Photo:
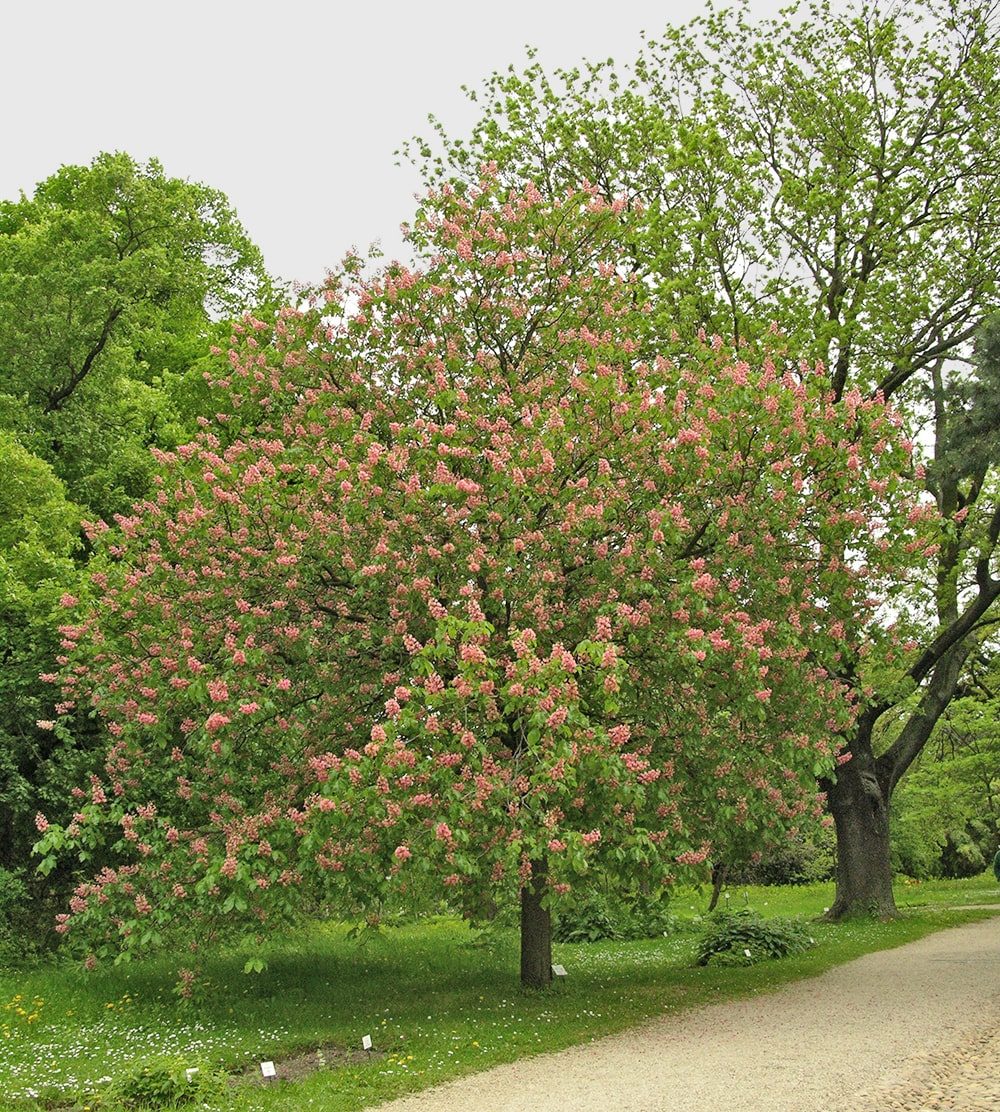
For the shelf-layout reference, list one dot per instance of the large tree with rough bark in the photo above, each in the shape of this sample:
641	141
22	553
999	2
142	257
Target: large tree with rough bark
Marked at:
836	170
490	599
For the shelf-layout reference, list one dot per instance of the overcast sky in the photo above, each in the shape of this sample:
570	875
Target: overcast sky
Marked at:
293	111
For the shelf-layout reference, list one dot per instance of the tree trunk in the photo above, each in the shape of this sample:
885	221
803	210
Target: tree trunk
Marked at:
860	811
719	874
536	930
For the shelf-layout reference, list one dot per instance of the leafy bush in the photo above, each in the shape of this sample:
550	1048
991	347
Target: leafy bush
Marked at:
803	859
961	856
913	853
594	917
13	896
924	851
585	920
647	917
745	938
161	1085
19	934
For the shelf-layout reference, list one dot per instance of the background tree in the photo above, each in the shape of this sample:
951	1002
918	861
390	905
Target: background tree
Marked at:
39	535
948	812
408	631
111	276
835	172
113	279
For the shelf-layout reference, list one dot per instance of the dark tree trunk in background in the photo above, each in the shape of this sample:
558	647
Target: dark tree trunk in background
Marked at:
719	874
860	810
859	797
536	930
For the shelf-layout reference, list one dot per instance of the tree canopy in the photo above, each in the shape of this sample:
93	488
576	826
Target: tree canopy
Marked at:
833	170
110	278
496	596
113	278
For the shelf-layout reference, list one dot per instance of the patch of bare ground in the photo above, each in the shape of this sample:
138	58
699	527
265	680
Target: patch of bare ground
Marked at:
295	1067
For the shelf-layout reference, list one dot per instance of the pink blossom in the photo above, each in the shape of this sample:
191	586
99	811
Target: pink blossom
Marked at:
694	857
619	735
218	691
402	853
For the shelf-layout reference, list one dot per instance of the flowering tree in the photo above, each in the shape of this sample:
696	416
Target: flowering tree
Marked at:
839	164
492	597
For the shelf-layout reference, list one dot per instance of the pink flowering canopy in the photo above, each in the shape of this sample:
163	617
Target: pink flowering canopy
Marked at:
475	574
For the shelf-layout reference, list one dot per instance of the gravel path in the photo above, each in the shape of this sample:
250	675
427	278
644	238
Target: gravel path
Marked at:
916	1029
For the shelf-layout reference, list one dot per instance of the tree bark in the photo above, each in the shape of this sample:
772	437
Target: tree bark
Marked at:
719	874
536	930
860	810
859	798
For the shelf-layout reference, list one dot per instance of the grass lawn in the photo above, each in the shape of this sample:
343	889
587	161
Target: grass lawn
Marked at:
436	1000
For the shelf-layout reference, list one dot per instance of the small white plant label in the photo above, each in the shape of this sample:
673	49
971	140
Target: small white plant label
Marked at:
366	1042
747	952
191	1073
267	1069
559	970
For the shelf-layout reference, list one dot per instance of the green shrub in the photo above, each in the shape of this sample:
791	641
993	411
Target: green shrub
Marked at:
13	897
18	926
745	938
163	1085
802	859
595	917
646	917
913	853
588	919
961	856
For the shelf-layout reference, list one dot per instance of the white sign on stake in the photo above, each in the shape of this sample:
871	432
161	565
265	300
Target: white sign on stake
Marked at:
558	971
267	1069
191	1073
366	1042
747	952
